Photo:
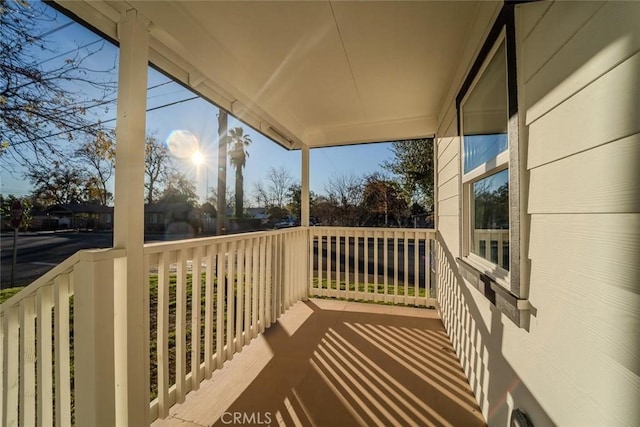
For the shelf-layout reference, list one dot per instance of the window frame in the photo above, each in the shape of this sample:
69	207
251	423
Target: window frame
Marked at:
488	168
503	288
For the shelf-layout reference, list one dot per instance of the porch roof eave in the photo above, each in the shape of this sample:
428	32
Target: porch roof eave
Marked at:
329	73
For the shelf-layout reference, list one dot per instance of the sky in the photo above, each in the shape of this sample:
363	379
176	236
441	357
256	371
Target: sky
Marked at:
199	118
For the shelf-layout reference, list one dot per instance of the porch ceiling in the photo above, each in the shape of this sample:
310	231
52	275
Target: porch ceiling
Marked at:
314	73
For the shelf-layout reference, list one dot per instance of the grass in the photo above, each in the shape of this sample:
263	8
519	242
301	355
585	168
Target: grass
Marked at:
5	294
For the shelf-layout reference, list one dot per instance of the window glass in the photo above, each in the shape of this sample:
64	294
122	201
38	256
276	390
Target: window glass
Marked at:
490	219
485	114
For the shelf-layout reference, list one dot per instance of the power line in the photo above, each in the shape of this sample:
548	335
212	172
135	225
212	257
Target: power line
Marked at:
55	30
69	51
102	122
112	100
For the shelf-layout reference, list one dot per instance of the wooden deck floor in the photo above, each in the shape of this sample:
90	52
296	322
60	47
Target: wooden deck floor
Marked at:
336	363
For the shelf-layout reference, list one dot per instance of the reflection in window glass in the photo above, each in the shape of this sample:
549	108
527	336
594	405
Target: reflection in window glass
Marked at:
491	218
479	149
485	114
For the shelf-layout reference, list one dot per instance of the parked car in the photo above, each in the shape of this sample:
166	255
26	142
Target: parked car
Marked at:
285	223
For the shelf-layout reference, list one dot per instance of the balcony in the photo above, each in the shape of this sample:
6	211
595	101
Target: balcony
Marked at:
249	337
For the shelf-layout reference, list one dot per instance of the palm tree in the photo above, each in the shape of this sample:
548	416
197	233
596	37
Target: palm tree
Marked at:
238	158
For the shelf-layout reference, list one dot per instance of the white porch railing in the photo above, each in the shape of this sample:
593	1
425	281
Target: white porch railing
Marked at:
373	264
57	342
209	297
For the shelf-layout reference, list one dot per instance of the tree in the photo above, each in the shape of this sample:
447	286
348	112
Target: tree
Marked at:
60	184
346	191
238	158
383	198
294	195
275	188
99	155
179	189
326	211
158	168
228	198
44	101
413	163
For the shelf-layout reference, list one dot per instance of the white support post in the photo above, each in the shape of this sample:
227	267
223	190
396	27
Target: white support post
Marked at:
132	337
304	196
94	341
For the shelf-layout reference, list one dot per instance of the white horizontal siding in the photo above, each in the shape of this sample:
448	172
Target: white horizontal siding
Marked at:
555	30
528	21
578	364
602	179
449	188
601	112
584	285
449	207
596	46
582	97
453	147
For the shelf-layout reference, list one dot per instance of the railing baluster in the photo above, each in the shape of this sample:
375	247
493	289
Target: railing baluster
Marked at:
3	383
405	257
329	258
27	362
290	271
347	263
320	263
365	247
311	260
395	266
196	307
163	335
254	288
269	273
263	283
62	362
181	318
208	312
356	262
416	267
386	265
11	365
230	315
338	260
44	304
220	310
240	295
375	265
247	293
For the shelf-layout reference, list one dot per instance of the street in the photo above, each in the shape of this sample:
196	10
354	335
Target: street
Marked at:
39	252
388	251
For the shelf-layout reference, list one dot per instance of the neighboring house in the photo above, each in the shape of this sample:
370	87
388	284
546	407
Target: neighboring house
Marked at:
258	213
76	215
172	217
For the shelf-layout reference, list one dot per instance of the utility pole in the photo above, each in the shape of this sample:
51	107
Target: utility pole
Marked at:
221	205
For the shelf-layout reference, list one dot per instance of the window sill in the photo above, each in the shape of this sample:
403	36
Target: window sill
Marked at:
516	309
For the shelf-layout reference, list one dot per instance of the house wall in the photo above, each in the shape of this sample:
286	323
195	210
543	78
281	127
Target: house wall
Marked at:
579	94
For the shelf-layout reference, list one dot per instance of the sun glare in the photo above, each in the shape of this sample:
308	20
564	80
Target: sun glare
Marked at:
197	158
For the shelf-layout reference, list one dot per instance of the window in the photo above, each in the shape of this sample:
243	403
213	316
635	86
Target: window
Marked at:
485	147
490	163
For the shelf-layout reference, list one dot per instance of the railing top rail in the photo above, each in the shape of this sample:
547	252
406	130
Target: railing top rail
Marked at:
62	268
157	247
321	229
